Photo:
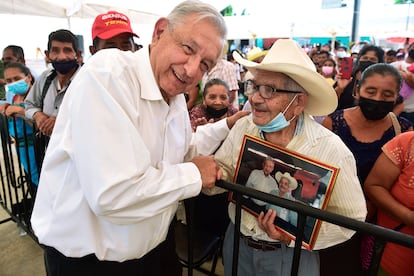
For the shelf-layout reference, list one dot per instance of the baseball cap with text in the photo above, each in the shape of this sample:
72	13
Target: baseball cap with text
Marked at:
111	24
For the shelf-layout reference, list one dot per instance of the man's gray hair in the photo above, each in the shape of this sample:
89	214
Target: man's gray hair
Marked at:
204	11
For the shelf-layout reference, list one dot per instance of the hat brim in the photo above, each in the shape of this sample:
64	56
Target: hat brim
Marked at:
322	98
293	183
257	55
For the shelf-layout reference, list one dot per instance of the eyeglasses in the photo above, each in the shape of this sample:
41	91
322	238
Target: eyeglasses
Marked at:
265	91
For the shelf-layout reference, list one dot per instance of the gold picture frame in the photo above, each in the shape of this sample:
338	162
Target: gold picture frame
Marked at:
314	181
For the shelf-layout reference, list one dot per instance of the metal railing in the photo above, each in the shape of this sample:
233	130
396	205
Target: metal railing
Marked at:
17	195
17	189
305	211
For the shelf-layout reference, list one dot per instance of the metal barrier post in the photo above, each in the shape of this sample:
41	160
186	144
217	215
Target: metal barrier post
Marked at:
304	211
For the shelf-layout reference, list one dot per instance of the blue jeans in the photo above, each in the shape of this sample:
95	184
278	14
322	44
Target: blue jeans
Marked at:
254	262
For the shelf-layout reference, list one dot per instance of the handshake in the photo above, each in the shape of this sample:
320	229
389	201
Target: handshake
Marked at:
209	169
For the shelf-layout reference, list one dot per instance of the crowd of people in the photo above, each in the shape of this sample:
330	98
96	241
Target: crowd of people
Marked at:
174	115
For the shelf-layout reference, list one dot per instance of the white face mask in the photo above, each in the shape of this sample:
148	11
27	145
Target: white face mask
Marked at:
341	54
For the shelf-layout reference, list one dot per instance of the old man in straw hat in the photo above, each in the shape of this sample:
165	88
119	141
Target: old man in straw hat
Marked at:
284	91
287	184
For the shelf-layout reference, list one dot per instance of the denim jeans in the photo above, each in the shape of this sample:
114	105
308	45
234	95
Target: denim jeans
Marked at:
254	262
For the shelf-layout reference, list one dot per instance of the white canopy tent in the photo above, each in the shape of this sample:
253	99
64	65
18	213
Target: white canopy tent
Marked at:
28	23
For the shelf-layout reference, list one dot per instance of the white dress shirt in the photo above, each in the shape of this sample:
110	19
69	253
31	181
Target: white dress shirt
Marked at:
261	182
114	170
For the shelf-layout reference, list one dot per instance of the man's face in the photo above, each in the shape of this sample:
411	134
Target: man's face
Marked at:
323	57
264	110
390	59
284	185
61	51
268	167
122	41
180	58
9	57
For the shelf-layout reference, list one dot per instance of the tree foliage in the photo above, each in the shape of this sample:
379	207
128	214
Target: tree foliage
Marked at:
403	1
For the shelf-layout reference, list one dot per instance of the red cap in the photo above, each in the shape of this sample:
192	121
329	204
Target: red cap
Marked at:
111	24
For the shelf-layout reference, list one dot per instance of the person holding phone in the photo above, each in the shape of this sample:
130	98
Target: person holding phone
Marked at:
365	129
345	87
346	67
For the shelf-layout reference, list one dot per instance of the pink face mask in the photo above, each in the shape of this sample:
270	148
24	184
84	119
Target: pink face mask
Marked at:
327	70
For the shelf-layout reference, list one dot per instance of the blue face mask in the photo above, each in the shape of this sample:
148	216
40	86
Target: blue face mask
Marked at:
19	87
278	123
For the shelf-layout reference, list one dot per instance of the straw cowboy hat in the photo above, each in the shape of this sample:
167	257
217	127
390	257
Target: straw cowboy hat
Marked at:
293	184
255	53
287	57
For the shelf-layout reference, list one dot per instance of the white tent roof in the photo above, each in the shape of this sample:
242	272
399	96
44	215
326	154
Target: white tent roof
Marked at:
266	18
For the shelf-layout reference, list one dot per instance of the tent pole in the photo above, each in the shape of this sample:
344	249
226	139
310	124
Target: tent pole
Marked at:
355	21
69	25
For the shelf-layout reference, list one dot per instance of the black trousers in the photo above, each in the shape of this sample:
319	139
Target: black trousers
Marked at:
161	261
342	259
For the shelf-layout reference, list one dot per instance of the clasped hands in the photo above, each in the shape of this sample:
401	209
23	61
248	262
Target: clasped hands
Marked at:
44	123
209	169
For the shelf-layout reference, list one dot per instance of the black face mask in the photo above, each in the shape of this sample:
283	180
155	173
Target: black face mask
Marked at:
362	65
375	110
214	113
64	67
411	53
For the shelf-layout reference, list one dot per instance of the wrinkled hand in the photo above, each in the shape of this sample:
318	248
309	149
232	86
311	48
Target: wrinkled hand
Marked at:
39	118
3	108
209	169
266	224
202	121
14	109
231	120
46	126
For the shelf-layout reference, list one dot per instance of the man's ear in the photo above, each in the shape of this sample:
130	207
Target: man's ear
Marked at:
47	59
160	27
301	101
92	49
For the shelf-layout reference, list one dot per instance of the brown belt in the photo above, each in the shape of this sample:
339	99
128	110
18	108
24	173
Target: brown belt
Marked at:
259	244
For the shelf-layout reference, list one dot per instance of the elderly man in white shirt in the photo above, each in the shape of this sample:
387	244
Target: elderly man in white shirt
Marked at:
121	154
262	180
284	91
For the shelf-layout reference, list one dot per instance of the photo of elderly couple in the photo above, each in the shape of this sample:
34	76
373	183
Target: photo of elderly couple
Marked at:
285	174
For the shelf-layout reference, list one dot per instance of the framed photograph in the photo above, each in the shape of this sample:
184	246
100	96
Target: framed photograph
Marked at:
285	173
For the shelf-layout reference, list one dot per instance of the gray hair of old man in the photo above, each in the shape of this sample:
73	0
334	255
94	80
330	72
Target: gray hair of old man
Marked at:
291	84
203	10
215	81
